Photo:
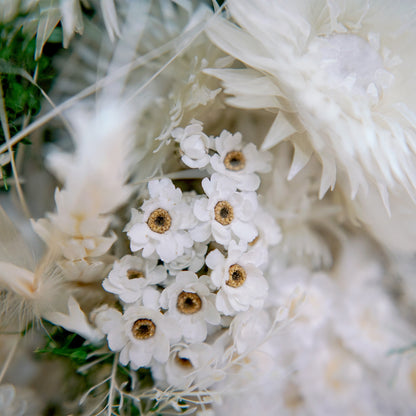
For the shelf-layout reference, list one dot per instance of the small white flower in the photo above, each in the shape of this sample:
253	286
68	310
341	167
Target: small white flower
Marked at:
194	145
224	213
131	275
162	225
140	334
241	282
193	259
249	329
190	302
193	364
239	162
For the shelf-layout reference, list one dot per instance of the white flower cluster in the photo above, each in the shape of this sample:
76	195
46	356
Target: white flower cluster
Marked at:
174	307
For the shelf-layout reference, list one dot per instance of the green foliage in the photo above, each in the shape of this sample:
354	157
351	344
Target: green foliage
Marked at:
22	98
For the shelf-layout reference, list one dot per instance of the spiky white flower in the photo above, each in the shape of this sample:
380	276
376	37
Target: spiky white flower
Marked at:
241	283
140	334
225	213
190	302
194	145
238	161
339	83
131	275
162	225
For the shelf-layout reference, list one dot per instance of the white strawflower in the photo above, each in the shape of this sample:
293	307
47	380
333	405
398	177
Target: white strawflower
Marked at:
162	225
225	213
140	334
194	145
131	275
241	283
339	81
238	161
190	302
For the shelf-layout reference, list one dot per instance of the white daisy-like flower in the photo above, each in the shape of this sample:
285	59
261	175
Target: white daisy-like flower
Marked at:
190	302
339	81
192	259
163	223
194	145
238	161
193	364
131	275
241	283
225	213
140	334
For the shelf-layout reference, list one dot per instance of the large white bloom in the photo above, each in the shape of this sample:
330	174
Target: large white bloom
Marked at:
341	84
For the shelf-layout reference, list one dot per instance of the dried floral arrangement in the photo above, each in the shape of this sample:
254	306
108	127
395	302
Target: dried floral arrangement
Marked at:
207	208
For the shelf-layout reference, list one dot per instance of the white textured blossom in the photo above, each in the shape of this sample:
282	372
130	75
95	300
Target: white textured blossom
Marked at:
238	161
241	283
190	302
224	213
339	81
131	275
140	334
162	225
194	145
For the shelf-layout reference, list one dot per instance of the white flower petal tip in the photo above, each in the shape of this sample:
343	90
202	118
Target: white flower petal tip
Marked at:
76	321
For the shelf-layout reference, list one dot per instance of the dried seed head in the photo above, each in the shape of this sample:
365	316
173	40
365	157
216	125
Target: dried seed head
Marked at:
235	160
189	303
183	362
159	221
224	212
134	274
237	276
143	329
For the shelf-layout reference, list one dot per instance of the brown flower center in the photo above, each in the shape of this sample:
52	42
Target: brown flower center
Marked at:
224	212
236	276
159	221
189	303
143	329
235	160
134	274
183	362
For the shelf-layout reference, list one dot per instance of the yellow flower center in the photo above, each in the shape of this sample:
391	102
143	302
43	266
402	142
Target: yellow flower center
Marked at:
235	160
224	213
134	274
183	362
189	303
143	329
236	276
159	221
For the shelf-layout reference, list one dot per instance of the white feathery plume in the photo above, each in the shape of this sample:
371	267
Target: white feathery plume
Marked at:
32	289
95	179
